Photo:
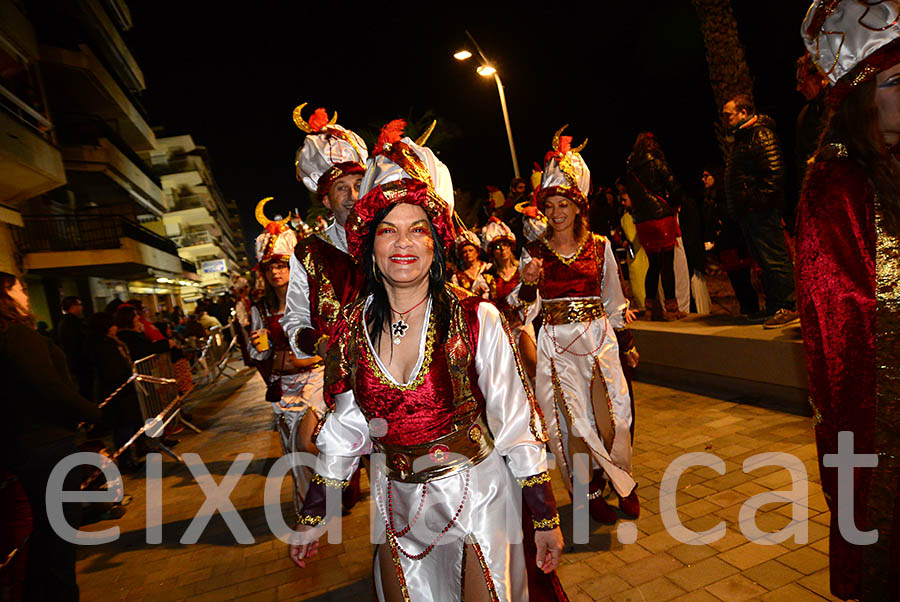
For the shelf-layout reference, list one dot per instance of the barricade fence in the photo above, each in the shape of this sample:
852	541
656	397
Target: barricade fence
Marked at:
216	353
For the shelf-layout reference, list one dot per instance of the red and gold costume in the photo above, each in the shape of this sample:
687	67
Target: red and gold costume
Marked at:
847	269
455	437
291	390
579	380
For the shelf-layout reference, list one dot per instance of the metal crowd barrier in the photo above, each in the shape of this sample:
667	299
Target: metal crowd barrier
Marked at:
216	353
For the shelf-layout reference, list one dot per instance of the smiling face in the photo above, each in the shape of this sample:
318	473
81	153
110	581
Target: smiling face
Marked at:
502	251
404	247
561	213
887	104
341	197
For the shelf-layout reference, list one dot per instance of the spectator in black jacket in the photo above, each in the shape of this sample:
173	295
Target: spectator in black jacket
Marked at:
71	335
754	193
43	409
113	367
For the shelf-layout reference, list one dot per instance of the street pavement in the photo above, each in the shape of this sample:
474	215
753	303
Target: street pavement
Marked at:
657	567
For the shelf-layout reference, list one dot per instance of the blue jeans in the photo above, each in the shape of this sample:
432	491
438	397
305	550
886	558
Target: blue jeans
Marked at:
764	236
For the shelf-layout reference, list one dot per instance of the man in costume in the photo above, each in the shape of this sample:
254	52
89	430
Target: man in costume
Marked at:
848	261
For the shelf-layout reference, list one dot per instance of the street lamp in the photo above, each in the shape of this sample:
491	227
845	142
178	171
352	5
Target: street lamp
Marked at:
486	70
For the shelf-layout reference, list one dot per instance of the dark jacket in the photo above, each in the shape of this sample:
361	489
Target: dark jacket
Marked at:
754	170
113	367
652	188
139	346
41	402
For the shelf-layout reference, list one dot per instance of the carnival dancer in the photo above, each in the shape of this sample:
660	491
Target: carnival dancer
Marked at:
580	384
471	274
293	385
427	374
847	262
324	277
502	279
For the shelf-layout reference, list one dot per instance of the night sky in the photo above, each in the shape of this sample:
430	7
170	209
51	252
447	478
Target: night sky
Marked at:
230	76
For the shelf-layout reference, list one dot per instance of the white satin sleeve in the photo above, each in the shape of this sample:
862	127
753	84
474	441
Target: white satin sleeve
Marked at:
296	310
527	311
256	322
510	413
343	438
614	302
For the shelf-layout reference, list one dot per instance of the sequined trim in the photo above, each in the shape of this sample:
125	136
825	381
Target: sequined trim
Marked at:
311	521
559	399
484	569
539	433
320	480
546	524
544	477
395	556
567	260
817	415
423	369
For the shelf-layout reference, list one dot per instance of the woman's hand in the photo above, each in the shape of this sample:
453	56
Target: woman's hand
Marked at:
549	549
256	339
632	358
531	273
299	551
630	316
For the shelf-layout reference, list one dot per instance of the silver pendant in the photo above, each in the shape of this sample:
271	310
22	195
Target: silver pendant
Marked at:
398	330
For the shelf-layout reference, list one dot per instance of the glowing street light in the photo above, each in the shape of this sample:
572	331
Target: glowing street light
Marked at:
486	70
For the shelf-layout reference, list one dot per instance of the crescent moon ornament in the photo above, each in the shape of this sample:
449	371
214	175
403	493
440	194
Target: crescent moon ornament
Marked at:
260	213
555	143
299	121
333	118
578	149
421	140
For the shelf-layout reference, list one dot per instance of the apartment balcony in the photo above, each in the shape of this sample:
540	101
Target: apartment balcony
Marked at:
77	82
104	165
17	32
105	246
30	164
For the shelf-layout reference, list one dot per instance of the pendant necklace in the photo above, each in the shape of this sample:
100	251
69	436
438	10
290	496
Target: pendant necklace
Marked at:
399	328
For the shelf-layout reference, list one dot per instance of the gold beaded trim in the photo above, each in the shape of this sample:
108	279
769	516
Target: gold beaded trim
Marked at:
320	480
424	369
817	415
312	521
547	523
544	477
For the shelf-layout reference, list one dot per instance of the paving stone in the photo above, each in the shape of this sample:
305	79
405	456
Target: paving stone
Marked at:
806	560
648	569
792	593
750	554
603	586
576	572
701	574
658	590
735	589
772	574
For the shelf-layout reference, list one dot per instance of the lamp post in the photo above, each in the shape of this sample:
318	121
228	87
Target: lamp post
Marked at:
486	70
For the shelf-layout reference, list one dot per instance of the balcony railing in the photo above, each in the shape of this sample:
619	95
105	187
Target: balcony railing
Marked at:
193	202
84	232
190	239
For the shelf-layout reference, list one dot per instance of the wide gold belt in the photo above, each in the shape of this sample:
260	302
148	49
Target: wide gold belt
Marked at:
570	311
459	450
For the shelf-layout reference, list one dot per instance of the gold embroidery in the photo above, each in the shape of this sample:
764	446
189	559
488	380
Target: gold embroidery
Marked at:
817	415
582	309
544	477
559	399
566	260
320	480
484	569
423	369
547	523
312	521
598	380
539	433
395	556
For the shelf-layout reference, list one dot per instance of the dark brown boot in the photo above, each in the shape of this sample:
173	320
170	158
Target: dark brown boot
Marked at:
672	311
654	310
630	506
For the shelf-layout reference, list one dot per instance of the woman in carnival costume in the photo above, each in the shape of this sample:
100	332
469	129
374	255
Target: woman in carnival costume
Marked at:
502	279
427	374
847	264
293	386
471	274
580	384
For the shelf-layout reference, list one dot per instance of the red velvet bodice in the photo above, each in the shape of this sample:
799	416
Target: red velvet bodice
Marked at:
277	339
580	277
335	280
499	291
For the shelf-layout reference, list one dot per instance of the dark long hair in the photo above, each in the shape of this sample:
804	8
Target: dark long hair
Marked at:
855	124
10	310
379	318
